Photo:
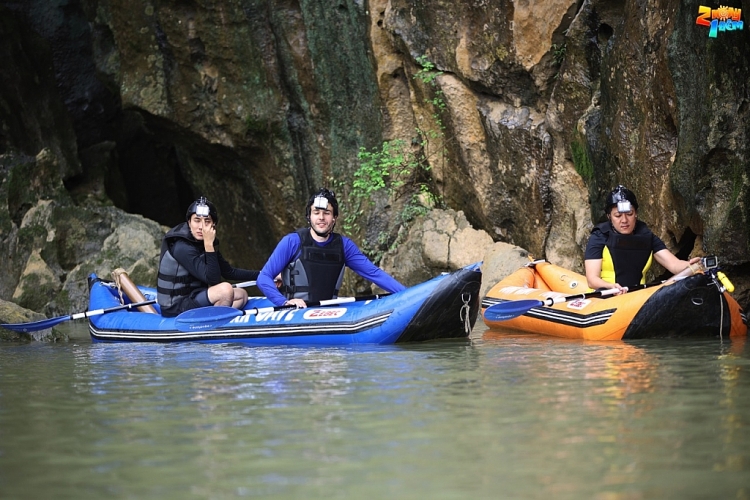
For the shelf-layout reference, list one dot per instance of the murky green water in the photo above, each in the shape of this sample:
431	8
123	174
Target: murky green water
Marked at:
496	417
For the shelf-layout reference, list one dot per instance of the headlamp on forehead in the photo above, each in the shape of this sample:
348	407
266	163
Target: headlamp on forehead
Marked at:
202	210
622	198
320	202
624	207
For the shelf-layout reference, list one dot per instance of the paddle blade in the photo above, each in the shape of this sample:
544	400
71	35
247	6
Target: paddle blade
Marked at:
509	310
205	318
35	326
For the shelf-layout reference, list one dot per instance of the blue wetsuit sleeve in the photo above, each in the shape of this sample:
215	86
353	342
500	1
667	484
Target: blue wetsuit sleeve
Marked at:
360	264
279	259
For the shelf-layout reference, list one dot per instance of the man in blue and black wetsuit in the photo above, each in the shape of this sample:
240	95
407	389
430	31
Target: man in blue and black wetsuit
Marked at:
311	260
620	251
191	267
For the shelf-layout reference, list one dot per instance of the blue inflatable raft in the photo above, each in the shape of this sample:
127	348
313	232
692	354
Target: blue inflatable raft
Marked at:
444	307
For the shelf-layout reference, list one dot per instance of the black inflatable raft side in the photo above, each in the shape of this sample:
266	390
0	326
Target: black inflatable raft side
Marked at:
449	312
692	307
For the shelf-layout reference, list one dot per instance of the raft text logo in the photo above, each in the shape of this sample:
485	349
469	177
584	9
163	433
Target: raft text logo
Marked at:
722	19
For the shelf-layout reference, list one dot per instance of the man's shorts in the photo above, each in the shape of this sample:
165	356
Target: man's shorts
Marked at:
199	298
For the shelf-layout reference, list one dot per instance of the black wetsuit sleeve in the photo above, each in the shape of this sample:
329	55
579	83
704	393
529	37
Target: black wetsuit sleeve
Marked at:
595	246
199	263
657	245
234	273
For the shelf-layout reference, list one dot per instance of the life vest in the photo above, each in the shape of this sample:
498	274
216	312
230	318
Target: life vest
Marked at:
626	258
174	282
316	272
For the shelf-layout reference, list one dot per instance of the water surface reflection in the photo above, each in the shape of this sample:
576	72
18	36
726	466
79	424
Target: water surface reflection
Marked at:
498	416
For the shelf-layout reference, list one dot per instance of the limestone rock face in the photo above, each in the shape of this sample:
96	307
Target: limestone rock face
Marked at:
500	260
444	241
441	241
56	244
524	121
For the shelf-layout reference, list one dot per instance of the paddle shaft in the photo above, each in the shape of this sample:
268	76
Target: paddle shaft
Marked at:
514	308
319	303
550	301
97	312
43	324
244	284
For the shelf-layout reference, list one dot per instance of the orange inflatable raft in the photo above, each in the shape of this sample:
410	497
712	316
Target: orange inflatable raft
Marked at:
694	306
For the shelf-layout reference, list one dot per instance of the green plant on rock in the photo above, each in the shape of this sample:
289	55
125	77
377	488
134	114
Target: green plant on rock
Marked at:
558	52
581	160
398	170
427	74
738	180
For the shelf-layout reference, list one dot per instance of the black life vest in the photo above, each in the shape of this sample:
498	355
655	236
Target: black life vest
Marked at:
627	257
316	272
174	282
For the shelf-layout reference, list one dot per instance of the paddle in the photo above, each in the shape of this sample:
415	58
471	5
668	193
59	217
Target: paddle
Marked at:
514	308
205	318
35	326
244	284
